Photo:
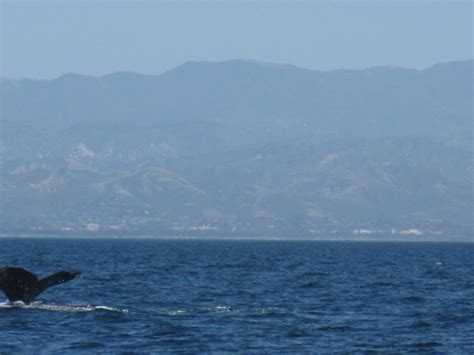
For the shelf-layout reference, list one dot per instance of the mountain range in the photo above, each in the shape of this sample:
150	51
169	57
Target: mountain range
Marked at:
241	148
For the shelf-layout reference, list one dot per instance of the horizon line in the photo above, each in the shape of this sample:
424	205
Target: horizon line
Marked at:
243	60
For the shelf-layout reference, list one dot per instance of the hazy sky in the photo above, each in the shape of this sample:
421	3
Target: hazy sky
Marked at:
44	39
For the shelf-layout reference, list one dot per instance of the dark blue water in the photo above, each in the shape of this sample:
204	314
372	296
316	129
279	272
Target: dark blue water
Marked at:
200	296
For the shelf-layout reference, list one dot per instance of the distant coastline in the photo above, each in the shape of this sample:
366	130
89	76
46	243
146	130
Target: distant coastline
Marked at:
145	236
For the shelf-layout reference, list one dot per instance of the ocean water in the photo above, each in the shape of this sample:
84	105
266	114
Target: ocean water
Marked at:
249	296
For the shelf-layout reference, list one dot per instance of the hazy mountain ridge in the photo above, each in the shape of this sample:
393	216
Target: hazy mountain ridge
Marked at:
241	147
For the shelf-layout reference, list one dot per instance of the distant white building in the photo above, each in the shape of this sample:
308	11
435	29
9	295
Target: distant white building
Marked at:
92	227
413	231
362	231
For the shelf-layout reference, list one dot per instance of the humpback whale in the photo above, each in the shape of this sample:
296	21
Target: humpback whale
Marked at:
21	285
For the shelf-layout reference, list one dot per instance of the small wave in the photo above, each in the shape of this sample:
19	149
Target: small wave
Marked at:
267	311
297	333
67	308
221	309
311	284
176	313
111	309
414	299
455	318
85	345
382	284
337	328
428	344
420	325
315	273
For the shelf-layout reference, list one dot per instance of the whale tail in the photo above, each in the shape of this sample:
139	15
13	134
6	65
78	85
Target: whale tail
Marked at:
21	285
55	279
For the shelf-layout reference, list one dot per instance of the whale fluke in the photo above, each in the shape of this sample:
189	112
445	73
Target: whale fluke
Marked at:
21	285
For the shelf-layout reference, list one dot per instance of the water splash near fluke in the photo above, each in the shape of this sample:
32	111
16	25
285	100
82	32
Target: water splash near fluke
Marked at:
66	308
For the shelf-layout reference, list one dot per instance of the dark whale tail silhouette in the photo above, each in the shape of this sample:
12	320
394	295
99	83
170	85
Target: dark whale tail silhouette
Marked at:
21	285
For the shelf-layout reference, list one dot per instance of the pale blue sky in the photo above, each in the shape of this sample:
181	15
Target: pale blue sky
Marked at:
44	39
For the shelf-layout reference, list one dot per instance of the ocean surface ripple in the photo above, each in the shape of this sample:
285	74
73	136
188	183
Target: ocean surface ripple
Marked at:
141	296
